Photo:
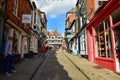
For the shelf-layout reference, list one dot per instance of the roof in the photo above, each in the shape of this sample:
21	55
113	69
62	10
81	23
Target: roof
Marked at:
73	10
53	33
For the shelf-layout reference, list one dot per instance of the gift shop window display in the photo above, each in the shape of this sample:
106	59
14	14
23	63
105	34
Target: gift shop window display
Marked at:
103	40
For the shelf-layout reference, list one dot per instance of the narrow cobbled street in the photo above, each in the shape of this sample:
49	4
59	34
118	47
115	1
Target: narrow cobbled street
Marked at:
59	39
58	67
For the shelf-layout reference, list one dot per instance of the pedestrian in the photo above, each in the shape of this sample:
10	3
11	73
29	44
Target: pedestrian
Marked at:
7	58
43	49
75	52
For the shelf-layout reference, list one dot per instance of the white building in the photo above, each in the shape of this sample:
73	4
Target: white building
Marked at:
54	39
35	31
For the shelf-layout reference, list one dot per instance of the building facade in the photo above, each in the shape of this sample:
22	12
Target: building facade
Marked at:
35	30
101	32
38	28
43	32
82	21
103	36
54	39
71	29
15	30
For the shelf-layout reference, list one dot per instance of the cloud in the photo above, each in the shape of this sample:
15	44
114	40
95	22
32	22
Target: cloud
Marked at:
53	8
53	16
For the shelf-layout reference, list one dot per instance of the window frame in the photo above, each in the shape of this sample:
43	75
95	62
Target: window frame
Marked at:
15	8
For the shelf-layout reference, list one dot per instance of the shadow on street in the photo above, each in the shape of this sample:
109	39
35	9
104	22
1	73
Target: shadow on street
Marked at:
52	69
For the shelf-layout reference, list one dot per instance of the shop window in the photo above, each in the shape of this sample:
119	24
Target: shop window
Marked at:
107	23
103	40
101	27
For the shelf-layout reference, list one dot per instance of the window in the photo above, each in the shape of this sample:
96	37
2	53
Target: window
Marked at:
103	40
34	17
82	42
52	37
15	9
58	37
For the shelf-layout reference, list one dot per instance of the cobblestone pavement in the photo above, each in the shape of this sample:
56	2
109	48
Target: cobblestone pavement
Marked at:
64	66
58	67
91	70
25	68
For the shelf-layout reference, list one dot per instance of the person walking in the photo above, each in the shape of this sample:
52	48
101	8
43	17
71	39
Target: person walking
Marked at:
75	52
7	58
43	49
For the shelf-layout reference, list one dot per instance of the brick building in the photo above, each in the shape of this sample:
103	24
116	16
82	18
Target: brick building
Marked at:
15	30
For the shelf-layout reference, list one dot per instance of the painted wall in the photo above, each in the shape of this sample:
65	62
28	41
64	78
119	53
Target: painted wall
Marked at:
109	63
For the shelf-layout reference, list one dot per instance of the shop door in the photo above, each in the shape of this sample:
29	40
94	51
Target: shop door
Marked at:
117	44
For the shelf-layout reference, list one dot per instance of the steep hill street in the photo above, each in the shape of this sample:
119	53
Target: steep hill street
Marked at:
59	65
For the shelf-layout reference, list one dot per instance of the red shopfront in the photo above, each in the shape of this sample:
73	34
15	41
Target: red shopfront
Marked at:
103	34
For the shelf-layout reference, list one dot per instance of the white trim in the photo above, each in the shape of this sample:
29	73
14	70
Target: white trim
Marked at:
17	27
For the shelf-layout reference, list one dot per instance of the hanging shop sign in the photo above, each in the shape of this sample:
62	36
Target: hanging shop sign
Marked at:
26	18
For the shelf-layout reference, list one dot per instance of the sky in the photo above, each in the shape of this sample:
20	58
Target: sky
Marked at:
55	11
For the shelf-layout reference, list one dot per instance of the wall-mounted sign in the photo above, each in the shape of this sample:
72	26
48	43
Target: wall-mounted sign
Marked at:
26	18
